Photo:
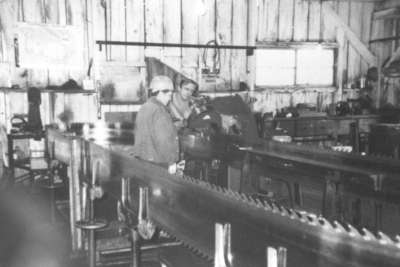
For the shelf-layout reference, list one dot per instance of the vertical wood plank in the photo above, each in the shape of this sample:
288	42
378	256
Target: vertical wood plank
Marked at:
388	31
107	27
207	28
343	11
354	58
252	32
262	11
117	29
68	12
99	29
172	32
272	20
51	11
286	14
300	20
224	36
32	10
190	35
135	31
239	37
314	22
367	10
62	15
377	31
329	30
153	27
207	22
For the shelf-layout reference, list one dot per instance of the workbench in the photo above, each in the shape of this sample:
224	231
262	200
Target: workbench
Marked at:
323	127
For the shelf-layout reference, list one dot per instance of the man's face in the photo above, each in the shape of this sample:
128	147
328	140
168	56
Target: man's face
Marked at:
165	94
187	90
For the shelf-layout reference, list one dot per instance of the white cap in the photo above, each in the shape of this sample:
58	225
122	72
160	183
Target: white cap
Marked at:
161	82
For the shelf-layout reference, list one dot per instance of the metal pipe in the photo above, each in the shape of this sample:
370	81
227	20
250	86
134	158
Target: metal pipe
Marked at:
92	240
92	249
240	47
135	248
142	248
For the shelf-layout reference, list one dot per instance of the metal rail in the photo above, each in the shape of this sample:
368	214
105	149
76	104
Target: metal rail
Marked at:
250	49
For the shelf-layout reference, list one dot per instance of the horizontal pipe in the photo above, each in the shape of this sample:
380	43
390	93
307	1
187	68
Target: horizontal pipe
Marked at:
143	248
243	47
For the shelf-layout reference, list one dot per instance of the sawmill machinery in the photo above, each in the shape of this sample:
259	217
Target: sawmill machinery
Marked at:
223	226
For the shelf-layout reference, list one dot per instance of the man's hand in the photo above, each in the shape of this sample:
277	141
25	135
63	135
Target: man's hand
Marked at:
177	168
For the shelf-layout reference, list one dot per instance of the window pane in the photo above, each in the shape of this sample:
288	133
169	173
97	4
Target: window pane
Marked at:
313	76
275	67
274	76
315	57
315	66
277	58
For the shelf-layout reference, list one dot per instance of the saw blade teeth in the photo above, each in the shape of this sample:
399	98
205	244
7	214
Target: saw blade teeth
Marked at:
299	215
311	219
325	223
275	208
368	235
384	239
243	197
237	195
353	232
339	227
252	200
259	203
267	205
231	193
284	211
397	241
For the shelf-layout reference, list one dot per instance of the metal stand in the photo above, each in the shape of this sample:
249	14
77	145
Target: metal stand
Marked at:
223	254
92	224
135	248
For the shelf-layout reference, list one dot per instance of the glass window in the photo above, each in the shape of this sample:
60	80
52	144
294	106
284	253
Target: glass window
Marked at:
294	66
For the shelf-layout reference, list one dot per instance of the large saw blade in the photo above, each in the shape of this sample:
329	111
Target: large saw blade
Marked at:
188	209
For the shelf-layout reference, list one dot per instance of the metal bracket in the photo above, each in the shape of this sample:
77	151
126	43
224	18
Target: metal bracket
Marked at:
146	228
124	204
276	257
223	254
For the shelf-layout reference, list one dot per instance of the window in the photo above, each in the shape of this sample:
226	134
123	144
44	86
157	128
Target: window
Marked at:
295	67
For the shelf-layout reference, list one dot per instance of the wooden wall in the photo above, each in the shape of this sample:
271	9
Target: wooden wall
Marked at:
382	28
238	22
81	105
52	13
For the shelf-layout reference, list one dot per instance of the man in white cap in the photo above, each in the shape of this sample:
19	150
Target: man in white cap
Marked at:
156	138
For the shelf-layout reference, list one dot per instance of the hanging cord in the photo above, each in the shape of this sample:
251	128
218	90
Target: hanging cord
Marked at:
216	57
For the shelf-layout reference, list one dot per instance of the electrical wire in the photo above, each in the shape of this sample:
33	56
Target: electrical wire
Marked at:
216	57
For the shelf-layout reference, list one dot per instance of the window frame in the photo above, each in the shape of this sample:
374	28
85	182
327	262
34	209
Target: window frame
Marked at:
296	46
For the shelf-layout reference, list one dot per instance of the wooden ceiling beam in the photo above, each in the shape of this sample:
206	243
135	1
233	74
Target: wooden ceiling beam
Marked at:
389	13
332	17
